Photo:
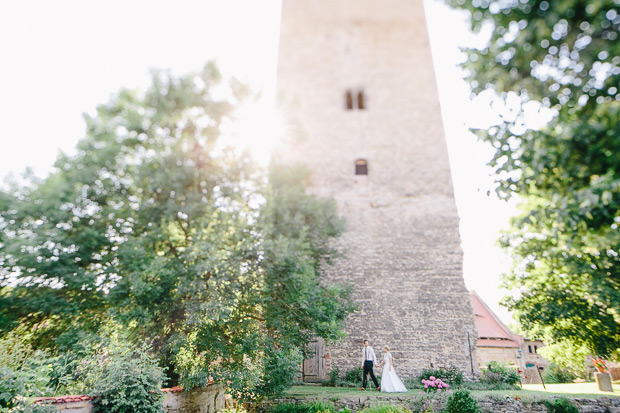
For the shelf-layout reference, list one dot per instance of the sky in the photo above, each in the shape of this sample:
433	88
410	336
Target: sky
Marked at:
61	59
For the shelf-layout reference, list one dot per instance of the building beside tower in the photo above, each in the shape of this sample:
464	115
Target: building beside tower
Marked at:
359	76
497	343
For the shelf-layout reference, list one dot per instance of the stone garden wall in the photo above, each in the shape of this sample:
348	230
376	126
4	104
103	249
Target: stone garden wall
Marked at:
487	404
210	399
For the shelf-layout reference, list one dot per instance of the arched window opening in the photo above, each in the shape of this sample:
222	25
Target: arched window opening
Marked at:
360	100
361	167
349	100
355	100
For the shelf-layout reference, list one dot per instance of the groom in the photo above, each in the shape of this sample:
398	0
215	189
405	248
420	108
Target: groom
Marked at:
368	361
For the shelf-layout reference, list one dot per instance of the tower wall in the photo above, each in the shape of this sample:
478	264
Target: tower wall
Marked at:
403	254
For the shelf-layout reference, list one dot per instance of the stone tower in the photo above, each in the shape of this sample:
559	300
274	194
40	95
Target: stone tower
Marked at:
360	77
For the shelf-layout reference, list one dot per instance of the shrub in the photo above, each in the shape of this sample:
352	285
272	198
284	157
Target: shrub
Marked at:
26	372
561	405
427	403
21	405
453	376
334	377
386	408
36	408
315	407
288	407
352	378
496	373
557	374
125	379
354	375
321	407
278	374
462	402
434	385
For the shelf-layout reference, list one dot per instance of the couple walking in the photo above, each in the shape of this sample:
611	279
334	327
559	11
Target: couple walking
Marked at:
390	383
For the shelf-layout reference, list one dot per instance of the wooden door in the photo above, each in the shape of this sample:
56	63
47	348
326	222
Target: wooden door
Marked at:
314	365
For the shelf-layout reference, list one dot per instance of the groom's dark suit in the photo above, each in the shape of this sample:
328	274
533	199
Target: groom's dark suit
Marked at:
368	361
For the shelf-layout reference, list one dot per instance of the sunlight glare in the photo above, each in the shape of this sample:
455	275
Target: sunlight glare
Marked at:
258	126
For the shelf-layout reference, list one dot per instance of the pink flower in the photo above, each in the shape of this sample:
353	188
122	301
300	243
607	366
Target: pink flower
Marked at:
432	378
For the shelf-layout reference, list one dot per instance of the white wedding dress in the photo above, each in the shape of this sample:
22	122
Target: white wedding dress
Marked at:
390	383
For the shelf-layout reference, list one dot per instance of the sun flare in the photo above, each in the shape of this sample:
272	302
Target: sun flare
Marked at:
258	126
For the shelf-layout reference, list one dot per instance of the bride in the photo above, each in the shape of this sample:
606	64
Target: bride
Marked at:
390	383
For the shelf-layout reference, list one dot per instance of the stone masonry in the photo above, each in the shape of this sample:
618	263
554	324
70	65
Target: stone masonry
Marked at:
210	399
403	254
437	403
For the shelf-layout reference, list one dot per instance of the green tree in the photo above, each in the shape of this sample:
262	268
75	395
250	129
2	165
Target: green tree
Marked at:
161	224
563	56
568	355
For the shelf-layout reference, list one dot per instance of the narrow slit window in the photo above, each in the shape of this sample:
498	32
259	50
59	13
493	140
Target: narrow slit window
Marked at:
349	100
361	167
360	100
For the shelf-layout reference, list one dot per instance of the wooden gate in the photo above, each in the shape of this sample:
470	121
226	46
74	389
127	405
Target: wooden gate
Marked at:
314	365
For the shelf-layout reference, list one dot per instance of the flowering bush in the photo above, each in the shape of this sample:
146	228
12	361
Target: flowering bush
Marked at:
599	363
452	375
434	384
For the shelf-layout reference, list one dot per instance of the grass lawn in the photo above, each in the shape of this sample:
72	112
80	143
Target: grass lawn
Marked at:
327	393
575	389
530	391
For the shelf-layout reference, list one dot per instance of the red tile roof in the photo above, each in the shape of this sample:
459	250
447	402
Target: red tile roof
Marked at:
492	332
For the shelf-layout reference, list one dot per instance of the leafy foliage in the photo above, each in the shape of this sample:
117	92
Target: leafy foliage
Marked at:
352	378
123	376
334	377
453	376
125	379
24	406
354	375
314	407
562	57
496	373
569	356
556	374
386	408
163	226
234	410
561	405
461	402
25	372
427	402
